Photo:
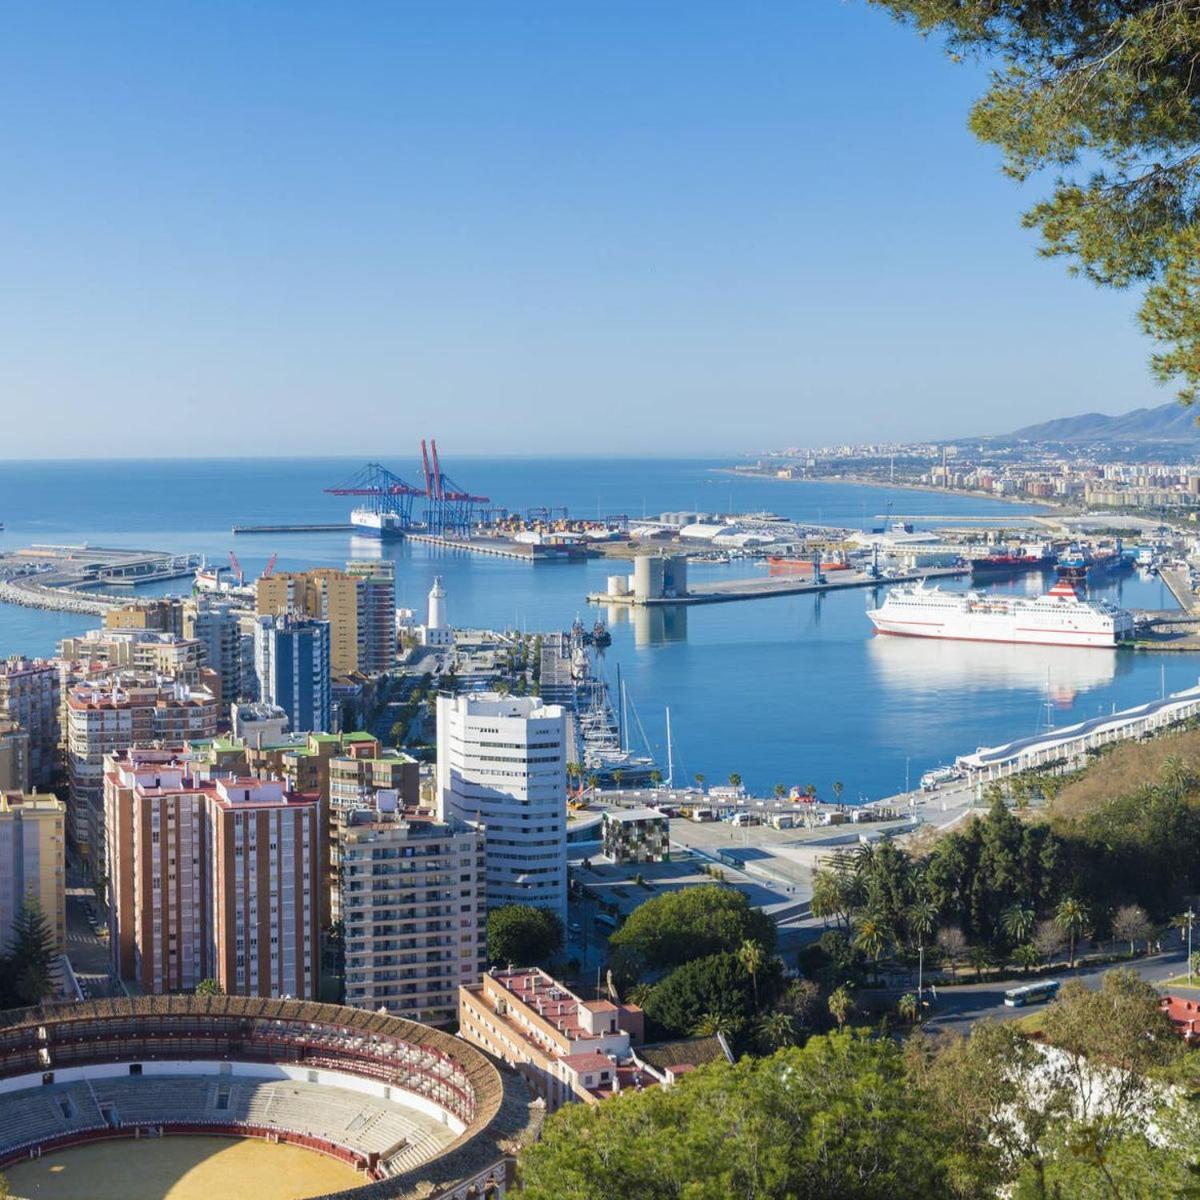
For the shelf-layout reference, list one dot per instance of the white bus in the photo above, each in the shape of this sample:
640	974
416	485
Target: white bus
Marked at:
1032	993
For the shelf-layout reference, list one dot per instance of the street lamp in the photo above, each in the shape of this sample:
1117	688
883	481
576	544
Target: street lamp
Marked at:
1191	916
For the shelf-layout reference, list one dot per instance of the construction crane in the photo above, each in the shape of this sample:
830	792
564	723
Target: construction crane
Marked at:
383	491
451	509
269	569
237	568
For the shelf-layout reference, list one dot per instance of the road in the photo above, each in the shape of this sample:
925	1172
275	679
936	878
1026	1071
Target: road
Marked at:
957	1008
86	949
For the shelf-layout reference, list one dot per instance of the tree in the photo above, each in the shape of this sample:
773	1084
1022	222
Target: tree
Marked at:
779	791
699	781
1048	938
656	777
1123	1026
841	1005
735	780
1027	957
871	937
908	1007
831	896
774	1030
30	953
752	957
209	987
716	985
922	918
835	1118
1129	924
1072	920
800	1002
1018	921
522	935
1104	95
677	927
837	789
980	959
952	944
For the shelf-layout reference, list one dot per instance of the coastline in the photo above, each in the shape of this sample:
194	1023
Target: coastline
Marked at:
902	485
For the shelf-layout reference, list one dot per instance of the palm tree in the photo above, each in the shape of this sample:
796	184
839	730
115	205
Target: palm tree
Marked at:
1072	917
617	778
735	780
574	770
750	955
810	790
776	1030
656	777
908	1008
840	1005
980	959
780	791
699	781
713	1023
1017	922
593	782
838	788
922	919
1027	957
872	939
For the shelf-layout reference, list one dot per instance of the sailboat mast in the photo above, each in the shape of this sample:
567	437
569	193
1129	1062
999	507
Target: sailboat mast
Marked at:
670	755
624	730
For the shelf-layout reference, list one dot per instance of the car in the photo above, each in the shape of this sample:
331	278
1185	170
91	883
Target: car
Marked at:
575	927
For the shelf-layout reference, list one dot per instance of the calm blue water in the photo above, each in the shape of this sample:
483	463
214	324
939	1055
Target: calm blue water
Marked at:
791	690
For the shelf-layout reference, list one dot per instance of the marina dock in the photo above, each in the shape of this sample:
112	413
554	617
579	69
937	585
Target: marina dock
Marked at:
503	547
759	588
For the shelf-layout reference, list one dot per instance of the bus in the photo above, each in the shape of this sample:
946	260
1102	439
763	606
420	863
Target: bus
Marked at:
1032	993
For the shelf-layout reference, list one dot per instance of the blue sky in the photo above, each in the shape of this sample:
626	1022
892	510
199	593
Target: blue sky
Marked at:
288	228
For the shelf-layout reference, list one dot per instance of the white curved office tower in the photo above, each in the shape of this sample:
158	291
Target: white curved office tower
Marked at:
502	761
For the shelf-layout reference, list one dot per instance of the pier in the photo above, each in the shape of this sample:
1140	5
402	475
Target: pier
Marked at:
503	547
339	527
759	589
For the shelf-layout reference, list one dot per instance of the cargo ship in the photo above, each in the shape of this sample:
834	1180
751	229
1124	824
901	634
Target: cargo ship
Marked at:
376	523
1058	618
1074	562
1013	561
790	562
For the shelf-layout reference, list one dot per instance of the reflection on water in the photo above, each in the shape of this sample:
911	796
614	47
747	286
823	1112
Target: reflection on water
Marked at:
653	625
932	664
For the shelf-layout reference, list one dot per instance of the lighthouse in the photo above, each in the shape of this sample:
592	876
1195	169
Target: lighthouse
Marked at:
436	631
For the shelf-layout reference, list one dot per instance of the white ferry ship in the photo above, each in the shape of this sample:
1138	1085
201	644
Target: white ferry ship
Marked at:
376	523
1059	618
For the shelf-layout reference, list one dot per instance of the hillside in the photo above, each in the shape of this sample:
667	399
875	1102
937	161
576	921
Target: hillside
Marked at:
1169	422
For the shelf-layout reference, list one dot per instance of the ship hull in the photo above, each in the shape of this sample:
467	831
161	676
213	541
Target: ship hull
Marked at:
1004	630
382	526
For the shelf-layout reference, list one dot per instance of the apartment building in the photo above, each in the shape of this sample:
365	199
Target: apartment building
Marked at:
116	712
376	613
502	763
292	662
566	1048
216	624
14	758
29	696
210	876
32	849
143	651
164	615
412	899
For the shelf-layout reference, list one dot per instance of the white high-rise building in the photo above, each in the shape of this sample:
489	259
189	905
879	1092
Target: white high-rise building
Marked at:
502	761
436	631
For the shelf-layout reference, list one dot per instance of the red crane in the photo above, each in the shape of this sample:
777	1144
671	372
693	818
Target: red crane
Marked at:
270	567
237	568
452	509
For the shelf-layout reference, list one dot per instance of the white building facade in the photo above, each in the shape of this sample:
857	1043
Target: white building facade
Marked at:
502	762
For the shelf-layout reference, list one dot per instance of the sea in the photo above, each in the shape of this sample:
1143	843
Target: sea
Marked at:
791	690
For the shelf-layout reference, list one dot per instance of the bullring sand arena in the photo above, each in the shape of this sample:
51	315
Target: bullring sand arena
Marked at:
220	1098
181	1168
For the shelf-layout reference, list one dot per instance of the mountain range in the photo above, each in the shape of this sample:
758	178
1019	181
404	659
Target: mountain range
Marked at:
1170	422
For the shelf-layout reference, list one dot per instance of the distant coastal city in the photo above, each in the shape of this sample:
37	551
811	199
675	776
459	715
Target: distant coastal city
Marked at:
530	668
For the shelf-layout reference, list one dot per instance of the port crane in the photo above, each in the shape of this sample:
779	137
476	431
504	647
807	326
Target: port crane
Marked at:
382	491
451	509
269	569
239	574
